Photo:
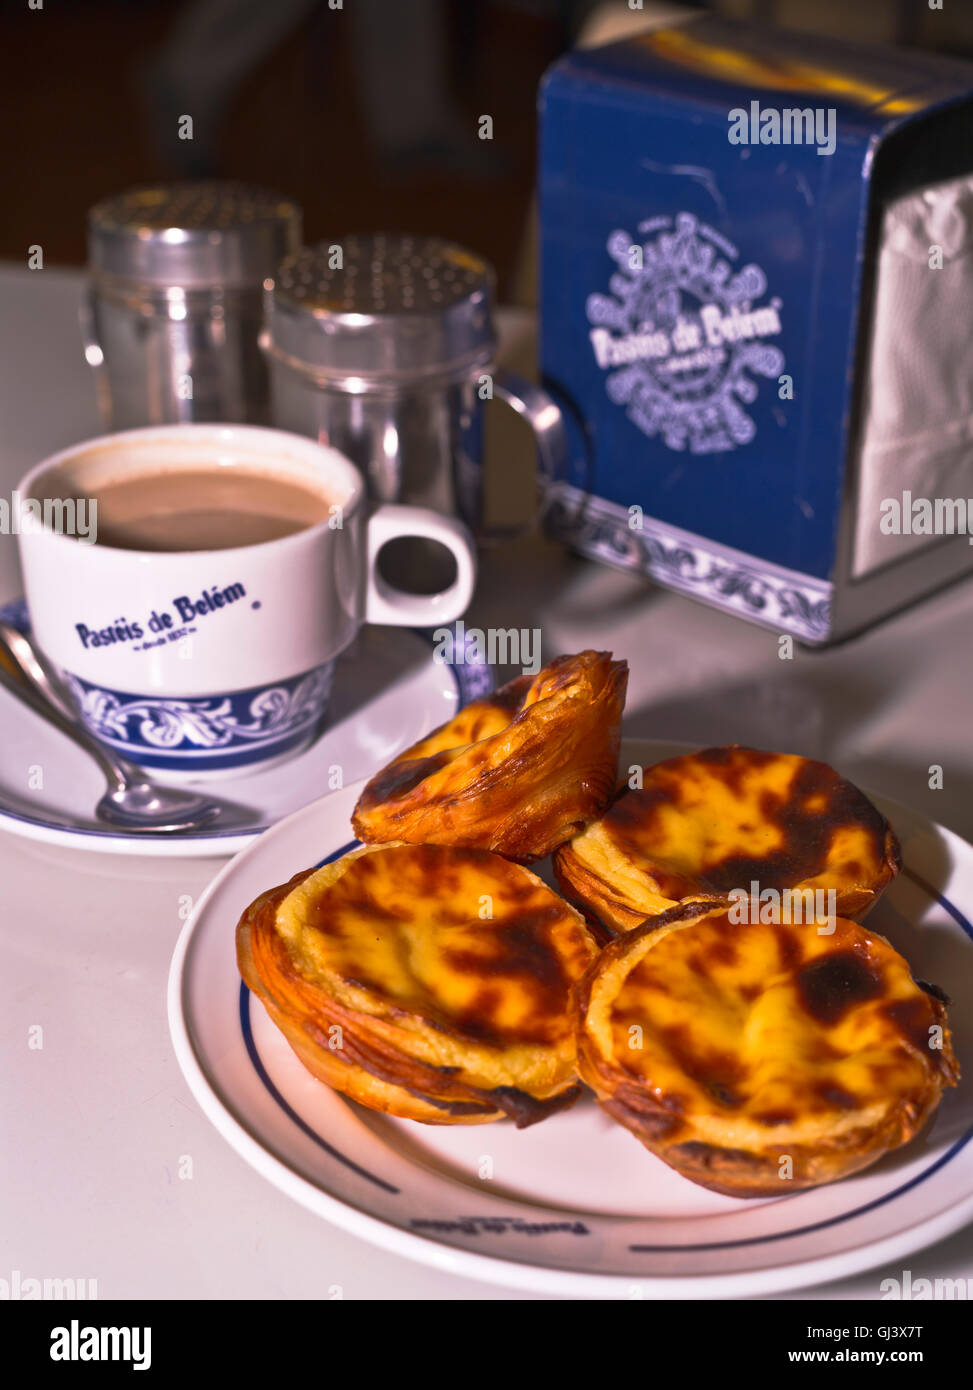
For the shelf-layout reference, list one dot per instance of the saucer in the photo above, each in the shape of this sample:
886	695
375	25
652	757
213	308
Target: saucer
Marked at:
388	693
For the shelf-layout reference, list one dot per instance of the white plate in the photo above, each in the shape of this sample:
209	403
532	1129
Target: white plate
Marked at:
575	1205
388	692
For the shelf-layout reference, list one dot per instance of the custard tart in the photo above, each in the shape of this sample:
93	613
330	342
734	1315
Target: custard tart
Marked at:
758	1058
517	772
424	981
708	825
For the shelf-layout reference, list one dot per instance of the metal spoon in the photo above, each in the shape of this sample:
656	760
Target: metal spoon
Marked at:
131	802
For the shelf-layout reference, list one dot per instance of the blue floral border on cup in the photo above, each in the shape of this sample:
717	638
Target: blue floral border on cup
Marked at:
234	729
225	730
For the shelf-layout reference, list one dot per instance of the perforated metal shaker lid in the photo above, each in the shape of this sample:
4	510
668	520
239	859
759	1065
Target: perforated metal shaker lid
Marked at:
383	309
195	235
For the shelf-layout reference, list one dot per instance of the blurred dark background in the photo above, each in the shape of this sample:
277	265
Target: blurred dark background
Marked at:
366	114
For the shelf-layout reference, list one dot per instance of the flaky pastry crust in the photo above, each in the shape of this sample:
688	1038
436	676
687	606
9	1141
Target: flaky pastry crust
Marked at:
518	772
426	982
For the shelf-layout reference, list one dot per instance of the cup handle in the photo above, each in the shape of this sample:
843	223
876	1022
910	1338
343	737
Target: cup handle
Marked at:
386	604
543	414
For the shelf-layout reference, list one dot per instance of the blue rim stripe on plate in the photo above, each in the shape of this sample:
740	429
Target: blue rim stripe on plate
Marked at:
642	1249
940	1162
292	1114
288	1110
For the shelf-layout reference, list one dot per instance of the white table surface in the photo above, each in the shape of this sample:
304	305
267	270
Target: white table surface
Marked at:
94	1125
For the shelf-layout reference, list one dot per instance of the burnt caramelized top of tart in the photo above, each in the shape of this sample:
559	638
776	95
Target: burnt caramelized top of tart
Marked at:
774	818
459	941
708	823
750	1026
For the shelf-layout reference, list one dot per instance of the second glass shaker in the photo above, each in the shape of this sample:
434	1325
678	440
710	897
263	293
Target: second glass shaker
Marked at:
173	313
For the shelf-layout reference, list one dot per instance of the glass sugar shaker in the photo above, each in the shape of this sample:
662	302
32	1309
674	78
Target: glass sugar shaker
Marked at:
172	316
383	346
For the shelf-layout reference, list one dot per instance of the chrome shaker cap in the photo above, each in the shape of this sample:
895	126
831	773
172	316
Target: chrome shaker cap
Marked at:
195	235
373	311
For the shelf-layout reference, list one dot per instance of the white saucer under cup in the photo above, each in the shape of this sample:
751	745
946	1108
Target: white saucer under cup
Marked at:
389	691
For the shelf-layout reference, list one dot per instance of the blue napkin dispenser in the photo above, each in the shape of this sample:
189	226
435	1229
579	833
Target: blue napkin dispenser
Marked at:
741	320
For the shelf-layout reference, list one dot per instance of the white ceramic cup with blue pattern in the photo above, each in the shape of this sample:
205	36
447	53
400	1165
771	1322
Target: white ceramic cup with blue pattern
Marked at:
209	663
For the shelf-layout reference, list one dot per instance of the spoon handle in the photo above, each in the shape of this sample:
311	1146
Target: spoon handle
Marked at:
34	668
33	693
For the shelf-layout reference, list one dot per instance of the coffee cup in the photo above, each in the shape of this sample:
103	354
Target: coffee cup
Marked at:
221	571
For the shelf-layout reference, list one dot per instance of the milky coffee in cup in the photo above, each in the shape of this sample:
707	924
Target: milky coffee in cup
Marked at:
231	565
208	509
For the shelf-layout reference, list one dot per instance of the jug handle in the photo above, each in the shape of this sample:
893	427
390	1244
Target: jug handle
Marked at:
533	404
